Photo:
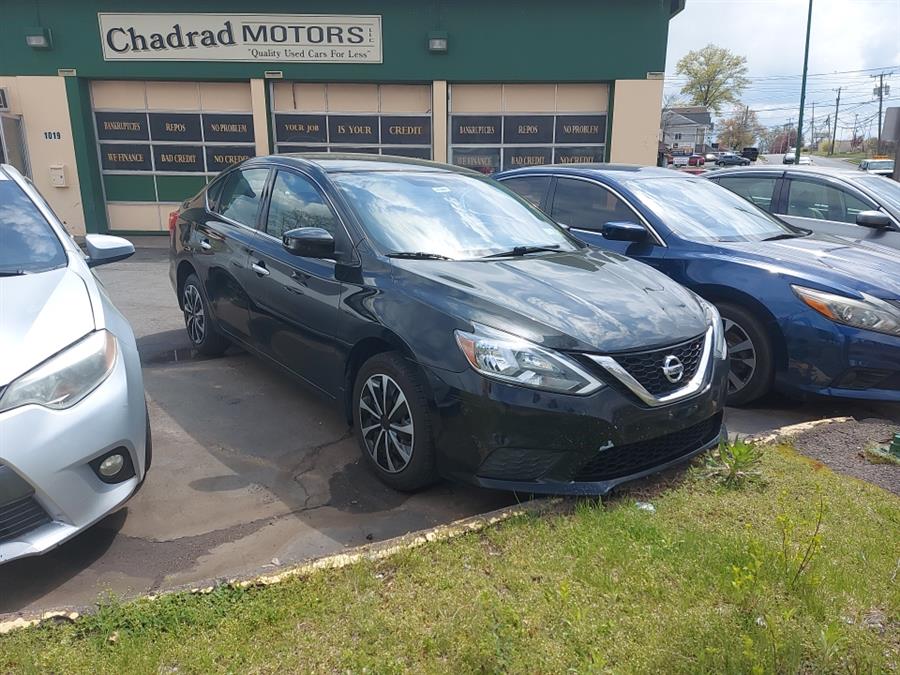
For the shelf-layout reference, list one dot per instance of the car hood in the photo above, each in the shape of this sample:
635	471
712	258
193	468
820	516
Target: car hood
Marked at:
589	300
40	314
829	261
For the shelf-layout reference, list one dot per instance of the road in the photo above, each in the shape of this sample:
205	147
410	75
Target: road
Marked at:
828	162
250	471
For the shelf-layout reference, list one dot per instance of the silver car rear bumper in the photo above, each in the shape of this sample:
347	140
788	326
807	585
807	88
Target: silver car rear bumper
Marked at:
49	451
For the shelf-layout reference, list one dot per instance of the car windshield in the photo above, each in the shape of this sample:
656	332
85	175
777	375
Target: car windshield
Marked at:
27	242
880	164
887	191
447	215
699	210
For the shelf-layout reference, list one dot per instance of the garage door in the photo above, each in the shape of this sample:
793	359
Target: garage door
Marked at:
381	119
160	142
507	126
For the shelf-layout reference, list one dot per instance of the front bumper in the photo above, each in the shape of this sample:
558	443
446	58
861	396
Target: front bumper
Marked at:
501	436
830	359
48	490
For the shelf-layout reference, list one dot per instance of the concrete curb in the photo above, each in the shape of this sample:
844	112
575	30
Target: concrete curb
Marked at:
387	548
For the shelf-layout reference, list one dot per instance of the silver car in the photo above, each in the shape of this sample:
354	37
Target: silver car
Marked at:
74	433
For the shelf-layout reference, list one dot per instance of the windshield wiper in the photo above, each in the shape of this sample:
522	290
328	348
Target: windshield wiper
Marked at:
786	235
12	273
418	255
523	250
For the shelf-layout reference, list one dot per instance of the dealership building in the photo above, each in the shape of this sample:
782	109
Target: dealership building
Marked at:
120	110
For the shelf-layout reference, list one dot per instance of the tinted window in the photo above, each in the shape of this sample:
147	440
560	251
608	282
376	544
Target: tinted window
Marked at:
809	199
242	194
446	213
212	192
587	206
886	190
27	242
532	188
699	210
297	203
756	189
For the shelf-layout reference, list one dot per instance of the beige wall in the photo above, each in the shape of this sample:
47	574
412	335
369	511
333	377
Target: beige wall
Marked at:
589	98
635	121
42	103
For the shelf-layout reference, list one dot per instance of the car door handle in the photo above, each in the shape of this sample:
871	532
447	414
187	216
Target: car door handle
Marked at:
205	245
259	267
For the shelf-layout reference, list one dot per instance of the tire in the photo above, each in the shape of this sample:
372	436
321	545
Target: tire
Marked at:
202	332
404	457
750	353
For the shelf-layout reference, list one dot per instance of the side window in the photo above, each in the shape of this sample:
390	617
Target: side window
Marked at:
587	206
823	202
532	188
212	192
756	189
297	203
242	194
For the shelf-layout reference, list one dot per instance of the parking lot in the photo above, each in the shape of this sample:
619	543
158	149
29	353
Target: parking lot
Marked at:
251	470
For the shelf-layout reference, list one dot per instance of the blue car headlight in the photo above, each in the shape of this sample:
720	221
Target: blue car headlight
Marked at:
66	378
869	313
511	359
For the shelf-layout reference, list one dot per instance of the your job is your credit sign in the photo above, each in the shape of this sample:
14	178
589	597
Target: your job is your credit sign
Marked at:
311	38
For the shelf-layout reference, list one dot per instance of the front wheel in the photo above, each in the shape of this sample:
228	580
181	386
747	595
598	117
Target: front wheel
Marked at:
393	422
752	365
204	336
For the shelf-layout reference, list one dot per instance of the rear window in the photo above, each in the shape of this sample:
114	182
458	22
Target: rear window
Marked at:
27	242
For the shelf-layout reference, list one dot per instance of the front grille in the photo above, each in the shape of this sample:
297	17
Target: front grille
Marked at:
647	367
625	460
21	516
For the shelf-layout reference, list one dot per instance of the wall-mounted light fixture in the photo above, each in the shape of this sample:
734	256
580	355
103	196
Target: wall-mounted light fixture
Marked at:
438	42
38	38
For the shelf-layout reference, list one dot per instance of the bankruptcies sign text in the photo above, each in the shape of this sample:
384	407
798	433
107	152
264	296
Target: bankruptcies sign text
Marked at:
287	38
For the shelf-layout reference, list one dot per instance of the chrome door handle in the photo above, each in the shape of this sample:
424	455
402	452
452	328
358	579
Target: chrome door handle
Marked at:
260	269
205	245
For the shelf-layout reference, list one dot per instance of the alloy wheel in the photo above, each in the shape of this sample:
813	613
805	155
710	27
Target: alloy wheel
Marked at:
194	317
742	355
386	423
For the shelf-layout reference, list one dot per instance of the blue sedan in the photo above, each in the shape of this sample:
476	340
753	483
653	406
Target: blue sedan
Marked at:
804	313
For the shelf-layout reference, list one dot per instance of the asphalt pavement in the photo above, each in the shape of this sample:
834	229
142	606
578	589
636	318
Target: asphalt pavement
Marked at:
251	470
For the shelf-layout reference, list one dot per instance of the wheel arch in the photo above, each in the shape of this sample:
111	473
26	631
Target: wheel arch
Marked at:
716	294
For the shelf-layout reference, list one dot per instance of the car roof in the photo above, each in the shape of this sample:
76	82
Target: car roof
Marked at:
849	173
334	162
617	172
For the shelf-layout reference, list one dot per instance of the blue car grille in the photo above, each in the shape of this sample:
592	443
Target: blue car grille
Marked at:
20	517
647	367
625	460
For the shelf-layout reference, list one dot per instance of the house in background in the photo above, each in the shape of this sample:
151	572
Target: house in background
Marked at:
686	129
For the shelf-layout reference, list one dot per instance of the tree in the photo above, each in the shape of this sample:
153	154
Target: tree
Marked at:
740	130
714	76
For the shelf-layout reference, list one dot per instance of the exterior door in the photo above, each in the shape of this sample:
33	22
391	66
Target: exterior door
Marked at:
12	143
585	207
831	209
223	242
295	310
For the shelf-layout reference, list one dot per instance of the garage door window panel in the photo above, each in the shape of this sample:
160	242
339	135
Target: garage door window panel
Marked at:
297	203
588	206
242	195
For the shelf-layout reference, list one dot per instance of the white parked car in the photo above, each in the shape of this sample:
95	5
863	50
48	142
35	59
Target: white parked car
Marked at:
74	433
881	167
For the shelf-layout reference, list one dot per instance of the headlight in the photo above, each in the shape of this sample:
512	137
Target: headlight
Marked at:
720	349
508	358
869	313
65	379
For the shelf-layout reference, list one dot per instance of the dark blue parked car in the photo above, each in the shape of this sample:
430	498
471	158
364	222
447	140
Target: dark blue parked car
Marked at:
806	313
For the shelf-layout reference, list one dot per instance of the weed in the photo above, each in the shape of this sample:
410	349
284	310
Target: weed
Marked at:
798	550
735	464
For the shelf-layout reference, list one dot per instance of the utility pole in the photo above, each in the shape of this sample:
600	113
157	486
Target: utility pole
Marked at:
803	85
853	137
837	105
880	91
812	126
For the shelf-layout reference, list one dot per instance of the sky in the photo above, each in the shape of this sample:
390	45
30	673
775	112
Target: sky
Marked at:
850	40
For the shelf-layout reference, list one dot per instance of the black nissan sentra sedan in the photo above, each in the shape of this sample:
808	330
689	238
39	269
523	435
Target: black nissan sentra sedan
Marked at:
466	334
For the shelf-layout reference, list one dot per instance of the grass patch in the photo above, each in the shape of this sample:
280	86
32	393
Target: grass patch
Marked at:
880	455
794	573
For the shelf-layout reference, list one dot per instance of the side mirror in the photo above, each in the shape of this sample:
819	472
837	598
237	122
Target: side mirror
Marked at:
873	219
309	242
103	249
624	231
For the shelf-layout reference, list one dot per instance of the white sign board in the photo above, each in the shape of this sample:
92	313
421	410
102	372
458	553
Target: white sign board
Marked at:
269	38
